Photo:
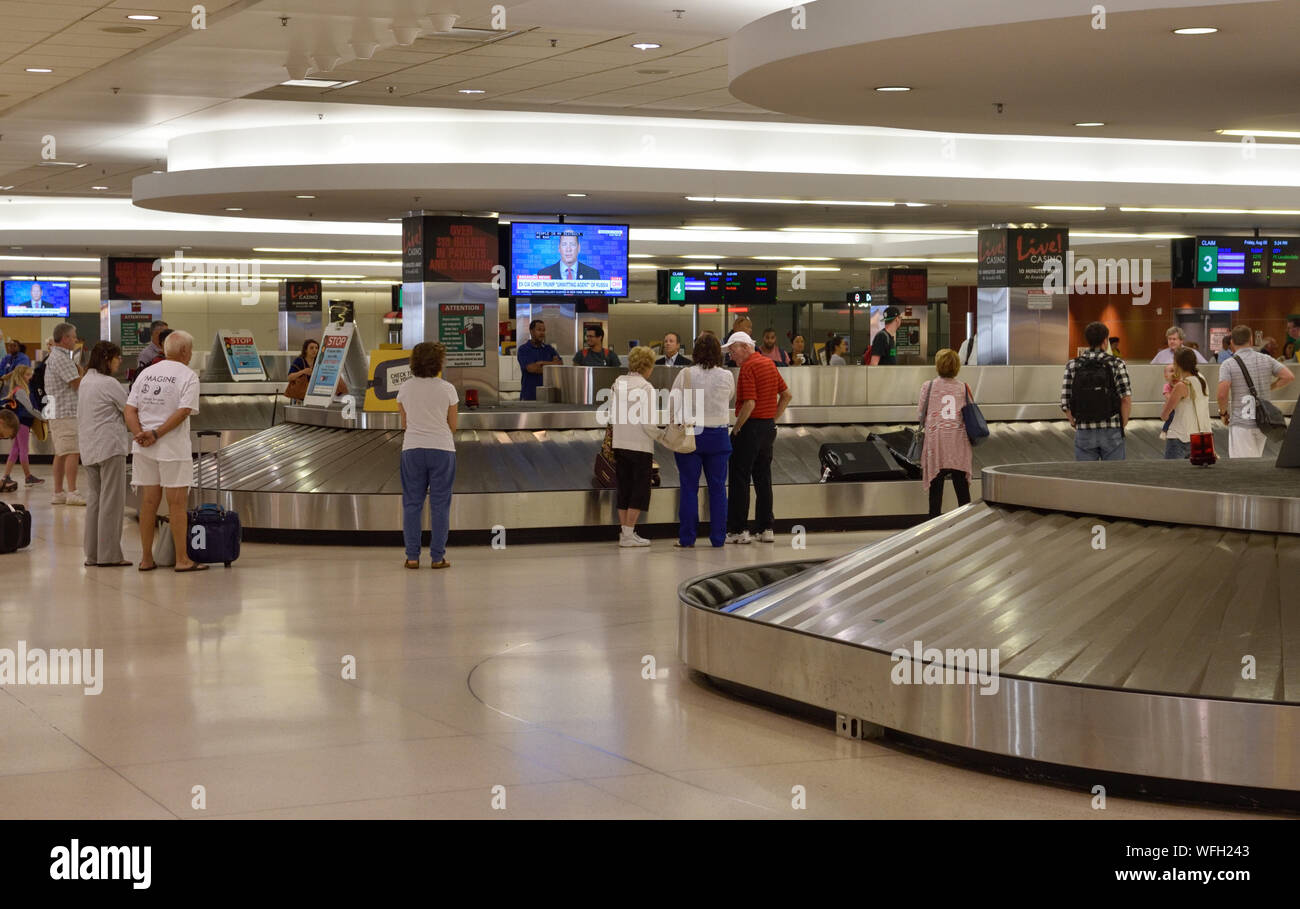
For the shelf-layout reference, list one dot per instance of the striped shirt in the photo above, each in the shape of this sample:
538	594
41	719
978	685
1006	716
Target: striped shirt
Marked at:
760	381
1262	370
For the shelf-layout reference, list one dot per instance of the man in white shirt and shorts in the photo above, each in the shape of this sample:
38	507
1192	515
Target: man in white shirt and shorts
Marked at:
158	415
1235	408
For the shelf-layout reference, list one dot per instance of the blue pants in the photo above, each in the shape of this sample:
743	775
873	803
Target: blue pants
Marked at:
427	472
712	452
1177	451
1099	444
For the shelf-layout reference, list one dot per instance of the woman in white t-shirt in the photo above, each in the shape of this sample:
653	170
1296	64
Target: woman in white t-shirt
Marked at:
1189	403
428	406
710	389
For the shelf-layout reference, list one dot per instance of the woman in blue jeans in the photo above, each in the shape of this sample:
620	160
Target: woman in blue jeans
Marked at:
428	407
705	390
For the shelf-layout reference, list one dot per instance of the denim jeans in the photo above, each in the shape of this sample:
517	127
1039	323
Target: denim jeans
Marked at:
427	472
1099	444
712	451
1177	451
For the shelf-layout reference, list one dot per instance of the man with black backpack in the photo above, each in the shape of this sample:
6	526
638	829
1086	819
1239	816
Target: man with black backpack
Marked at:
1097	398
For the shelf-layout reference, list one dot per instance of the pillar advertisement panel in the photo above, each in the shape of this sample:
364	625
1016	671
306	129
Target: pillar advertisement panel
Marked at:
300	316
1020	319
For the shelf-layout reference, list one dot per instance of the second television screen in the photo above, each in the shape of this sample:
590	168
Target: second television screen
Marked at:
588	260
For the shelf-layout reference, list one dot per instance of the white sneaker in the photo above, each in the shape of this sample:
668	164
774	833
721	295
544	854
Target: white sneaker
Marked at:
633	541
59	499
742	537
769	536
74	498
640	540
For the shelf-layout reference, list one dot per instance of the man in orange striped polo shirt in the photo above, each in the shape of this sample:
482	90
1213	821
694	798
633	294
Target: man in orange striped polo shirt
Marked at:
761	398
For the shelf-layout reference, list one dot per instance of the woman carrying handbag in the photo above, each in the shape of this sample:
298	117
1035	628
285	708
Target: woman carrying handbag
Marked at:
1189	435
946	446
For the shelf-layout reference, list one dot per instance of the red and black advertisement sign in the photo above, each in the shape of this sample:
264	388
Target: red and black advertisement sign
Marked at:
1018	257
899	286
300	296
129	278
449	249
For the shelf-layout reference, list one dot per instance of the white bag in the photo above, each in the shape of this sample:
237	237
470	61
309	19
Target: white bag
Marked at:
680	437
164	547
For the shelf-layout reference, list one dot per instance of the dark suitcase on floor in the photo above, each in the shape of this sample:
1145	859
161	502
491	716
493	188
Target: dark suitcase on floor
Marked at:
15	527
213	534
900	443
859	462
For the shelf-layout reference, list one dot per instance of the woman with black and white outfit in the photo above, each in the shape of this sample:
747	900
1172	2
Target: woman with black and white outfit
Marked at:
636	429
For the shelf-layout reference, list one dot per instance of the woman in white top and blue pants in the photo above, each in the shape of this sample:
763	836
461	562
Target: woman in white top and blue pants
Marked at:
713	386
428	406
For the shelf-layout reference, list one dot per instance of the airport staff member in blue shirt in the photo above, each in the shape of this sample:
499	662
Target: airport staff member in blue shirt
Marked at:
532	357
14	357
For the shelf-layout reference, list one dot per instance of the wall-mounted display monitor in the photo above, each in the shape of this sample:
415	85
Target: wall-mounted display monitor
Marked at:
36	299
858	297
715	287
587	260
1232	261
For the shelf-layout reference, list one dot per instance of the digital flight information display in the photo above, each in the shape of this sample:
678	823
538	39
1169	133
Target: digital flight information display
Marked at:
1233	261
1284	262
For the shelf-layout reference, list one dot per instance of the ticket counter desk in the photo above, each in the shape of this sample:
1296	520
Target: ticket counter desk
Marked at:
319	476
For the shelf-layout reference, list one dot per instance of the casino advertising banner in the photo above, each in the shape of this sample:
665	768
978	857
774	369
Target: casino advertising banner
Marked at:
300	296
1019	257
389	368
449	250
461	330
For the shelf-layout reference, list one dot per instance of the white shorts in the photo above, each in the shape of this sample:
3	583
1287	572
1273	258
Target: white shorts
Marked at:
1245	441
147	471
63	432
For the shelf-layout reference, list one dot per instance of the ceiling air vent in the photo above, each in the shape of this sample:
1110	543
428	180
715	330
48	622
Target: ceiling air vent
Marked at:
469	35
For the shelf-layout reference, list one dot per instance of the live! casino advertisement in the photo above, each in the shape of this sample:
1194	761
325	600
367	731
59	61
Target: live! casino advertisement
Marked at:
449	250
1018	257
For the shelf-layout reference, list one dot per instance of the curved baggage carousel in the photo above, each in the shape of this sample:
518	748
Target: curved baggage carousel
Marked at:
1141	614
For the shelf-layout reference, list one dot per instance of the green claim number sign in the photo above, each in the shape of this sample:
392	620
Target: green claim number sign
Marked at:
1207	266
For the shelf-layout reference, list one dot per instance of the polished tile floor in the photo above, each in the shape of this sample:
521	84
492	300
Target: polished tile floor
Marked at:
514	678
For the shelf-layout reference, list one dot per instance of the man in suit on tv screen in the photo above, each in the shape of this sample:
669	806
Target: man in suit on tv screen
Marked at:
569	268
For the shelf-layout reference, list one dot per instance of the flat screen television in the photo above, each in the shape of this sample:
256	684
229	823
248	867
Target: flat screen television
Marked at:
582	260
1232	261
36	299
750	288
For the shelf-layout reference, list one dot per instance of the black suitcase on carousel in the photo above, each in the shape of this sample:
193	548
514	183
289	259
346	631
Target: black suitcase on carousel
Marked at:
213	533
859	462
15	527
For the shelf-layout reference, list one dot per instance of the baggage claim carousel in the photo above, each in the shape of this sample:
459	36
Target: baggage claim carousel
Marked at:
1137	611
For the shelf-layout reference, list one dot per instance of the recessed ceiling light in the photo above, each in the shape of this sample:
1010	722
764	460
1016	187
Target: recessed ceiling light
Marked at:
304	196
143	17
471	91
647	45
234	209
1257	133
39	69
313	83
893	88
1195	30
1091	123
576	195
99	187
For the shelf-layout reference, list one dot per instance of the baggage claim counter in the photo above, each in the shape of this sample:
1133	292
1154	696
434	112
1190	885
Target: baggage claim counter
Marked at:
318	476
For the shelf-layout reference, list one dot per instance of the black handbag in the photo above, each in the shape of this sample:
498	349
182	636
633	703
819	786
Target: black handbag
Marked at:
1267	416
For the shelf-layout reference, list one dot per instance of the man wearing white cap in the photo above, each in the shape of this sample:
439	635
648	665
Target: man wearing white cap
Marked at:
761	398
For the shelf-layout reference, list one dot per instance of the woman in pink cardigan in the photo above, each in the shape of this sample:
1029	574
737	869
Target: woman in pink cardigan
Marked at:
946	452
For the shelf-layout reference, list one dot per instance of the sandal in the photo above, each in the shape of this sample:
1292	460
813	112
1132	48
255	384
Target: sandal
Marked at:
197	566
114	564
143	567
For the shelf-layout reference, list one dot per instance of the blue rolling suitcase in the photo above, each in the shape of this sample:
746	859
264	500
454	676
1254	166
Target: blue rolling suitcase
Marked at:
213	534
